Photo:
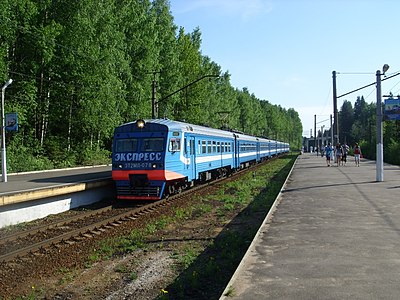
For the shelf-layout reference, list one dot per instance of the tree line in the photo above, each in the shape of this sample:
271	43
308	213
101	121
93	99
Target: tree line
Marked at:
81	68
358	125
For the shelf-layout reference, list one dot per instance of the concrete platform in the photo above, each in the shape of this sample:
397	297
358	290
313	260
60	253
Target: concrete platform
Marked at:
29	186
30	196
334	234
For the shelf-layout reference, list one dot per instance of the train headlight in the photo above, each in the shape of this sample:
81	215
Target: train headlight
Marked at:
154	166
140	123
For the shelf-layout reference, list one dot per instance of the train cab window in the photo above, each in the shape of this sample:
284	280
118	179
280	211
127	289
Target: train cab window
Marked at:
126	145
152	145
174	145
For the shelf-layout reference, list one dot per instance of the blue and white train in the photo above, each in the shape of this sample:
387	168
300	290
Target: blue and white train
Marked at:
155	158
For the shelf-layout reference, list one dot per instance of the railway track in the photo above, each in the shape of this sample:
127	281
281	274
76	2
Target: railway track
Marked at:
86	225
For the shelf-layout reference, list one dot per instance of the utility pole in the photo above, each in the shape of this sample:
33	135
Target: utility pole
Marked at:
331	132
315	133
154	104
3	133
379	137
335	112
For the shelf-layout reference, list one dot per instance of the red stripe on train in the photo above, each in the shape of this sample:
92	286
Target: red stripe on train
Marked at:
151	174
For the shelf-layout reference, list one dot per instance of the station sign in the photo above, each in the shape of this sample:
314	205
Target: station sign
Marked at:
392	109
12	122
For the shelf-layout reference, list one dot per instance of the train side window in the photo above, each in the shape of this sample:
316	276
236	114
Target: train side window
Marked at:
203	147
174	145
218	147
214	147
208	146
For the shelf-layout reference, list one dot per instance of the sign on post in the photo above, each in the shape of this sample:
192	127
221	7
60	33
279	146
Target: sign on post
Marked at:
12	121
392	109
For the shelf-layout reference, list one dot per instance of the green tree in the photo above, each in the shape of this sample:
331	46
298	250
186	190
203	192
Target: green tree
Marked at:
346	120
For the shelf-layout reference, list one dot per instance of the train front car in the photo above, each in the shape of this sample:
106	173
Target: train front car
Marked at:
139	160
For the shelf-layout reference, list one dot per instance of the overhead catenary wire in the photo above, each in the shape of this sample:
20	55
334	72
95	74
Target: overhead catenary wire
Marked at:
365	86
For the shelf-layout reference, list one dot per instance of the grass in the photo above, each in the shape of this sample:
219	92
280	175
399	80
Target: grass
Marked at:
198	262
252	194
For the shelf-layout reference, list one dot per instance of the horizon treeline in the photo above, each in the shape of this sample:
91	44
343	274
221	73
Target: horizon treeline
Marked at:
82	68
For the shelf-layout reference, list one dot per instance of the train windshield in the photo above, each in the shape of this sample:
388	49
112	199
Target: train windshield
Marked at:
126	145
152	145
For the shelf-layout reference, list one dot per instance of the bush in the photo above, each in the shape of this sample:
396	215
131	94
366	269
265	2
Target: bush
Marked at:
95	156
391	152
21	159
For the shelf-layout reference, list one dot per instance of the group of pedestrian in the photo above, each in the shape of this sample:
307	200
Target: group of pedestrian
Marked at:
339	154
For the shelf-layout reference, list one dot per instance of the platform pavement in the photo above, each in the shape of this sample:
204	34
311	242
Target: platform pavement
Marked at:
334	234
17	183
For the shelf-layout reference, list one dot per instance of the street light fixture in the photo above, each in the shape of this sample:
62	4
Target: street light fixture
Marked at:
3	132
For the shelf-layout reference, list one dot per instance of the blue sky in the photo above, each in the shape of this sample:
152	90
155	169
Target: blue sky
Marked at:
284	51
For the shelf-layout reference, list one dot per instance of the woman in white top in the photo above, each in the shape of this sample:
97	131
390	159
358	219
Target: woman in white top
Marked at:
357	154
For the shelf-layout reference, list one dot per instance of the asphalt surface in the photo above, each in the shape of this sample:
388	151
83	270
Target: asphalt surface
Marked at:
53	178
334	234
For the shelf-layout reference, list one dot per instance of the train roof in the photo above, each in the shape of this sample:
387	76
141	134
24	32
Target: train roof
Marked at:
203	130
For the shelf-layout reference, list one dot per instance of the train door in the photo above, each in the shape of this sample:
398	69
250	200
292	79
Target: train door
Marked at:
258	151
190	155
236	152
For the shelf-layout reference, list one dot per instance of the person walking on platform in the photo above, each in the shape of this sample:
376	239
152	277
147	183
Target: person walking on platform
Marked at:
328	153
357	154
338	153
345	152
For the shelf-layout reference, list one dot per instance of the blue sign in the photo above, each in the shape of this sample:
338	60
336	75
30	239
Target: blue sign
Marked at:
392	109
12	122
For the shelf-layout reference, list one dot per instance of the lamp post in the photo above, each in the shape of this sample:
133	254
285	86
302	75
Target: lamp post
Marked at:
379	125
3	132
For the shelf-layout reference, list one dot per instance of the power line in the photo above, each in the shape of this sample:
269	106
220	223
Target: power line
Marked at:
355	73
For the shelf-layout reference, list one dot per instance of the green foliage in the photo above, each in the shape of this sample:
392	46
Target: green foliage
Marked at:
24	157
392	152
81	68
186	257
